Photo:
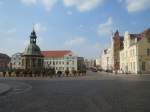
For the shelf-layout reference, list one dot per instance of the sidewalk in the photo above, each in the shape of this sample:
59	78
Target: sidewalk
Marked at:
4	88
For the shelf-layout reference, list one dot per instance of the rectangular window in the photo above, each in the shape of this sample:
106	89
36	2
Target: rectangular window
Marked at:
143	66
148	52
148	39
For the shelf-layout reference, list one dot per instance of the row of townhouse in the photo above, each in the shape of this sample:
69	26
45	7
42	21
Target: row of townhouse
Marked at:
60	60
135	57
128	54
110	59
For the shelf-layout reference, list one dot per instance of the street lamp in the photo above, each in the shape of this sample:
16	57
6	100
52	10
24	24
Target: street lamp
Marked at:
140	65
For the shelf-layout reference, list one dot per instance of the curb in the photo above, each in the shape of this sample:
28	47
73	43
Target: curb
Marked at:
4	89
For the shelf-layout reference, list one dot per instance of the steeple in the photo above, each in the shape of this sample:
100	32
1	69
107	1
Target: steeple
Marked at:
33	36
116	33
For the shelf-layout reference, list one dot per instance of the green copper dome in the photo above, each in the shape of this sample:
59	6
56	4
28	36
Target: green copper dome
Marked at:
32	48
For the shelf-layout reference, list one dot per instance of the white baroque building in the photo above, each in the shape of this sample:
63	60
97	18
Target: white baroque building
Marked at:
16	61
61	60
106	59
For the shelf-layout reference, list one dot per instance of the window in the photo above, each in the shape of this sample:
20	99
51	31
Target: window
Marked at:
133	65
148	52
148	39
143	66
73	62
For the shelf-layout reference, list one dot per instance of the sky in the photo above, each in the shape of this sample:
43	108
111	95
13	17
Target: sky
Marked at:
83	26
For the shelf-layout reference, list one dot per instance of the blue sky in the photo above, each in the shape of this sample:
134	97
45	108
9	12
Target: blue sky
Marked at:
83	26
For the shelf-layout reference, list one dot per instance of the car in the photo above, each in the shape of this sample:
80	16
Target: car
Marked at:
94	70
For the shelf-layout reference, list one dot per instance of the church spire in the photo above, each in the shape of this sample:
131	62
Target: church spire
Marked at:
33	36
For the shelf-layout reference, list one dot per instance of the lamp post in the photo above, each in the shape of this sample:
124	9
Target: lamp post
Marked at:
140	65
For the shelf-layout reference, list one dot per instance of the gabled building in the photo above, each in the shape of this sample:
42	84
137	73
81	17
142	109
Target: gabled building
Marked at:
110	56
117	45
135	56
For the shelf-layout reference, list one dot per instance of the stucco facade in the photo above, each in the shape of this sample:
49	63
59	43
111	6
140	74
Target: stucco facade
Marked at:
135	56
60	60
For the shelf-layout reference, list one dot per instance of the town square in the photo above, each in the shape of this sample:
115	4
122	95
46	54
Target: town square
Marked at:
74	56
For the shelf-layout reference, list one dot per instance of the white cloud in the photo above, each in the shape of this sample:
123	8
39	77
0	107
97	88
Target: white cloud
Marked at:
48	4
29	2
80	5
39	27
75	41
136	5
83	5
106	28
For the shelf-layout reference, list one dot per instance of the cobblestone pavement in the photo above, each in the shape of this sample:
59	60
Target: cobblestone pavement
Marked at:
4	88
96	92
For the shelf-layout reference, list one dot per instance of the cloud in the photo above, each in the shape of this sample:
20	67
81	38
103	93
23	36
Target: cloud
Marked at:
29	2
106	28
48	4
75	41
39	27
83	5
80	5
136	5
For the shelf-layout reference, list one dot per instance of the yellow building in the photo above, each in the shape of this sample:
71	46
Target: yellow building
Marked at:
135	56
144	52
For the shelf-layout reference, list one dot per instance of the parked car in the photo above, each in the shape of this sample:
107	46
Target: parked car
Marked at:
93	69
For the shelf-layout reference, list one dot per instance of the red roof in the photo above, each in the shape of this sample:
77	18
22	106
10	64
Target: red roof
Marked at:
55	54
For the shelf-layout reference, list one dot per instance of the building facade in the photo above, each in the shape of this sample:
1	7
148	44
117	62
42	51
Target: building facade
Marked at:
90	63
60	60
143	47
16	61
80	63
32	57
135	56
4	61
110	56
106	59
117	45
